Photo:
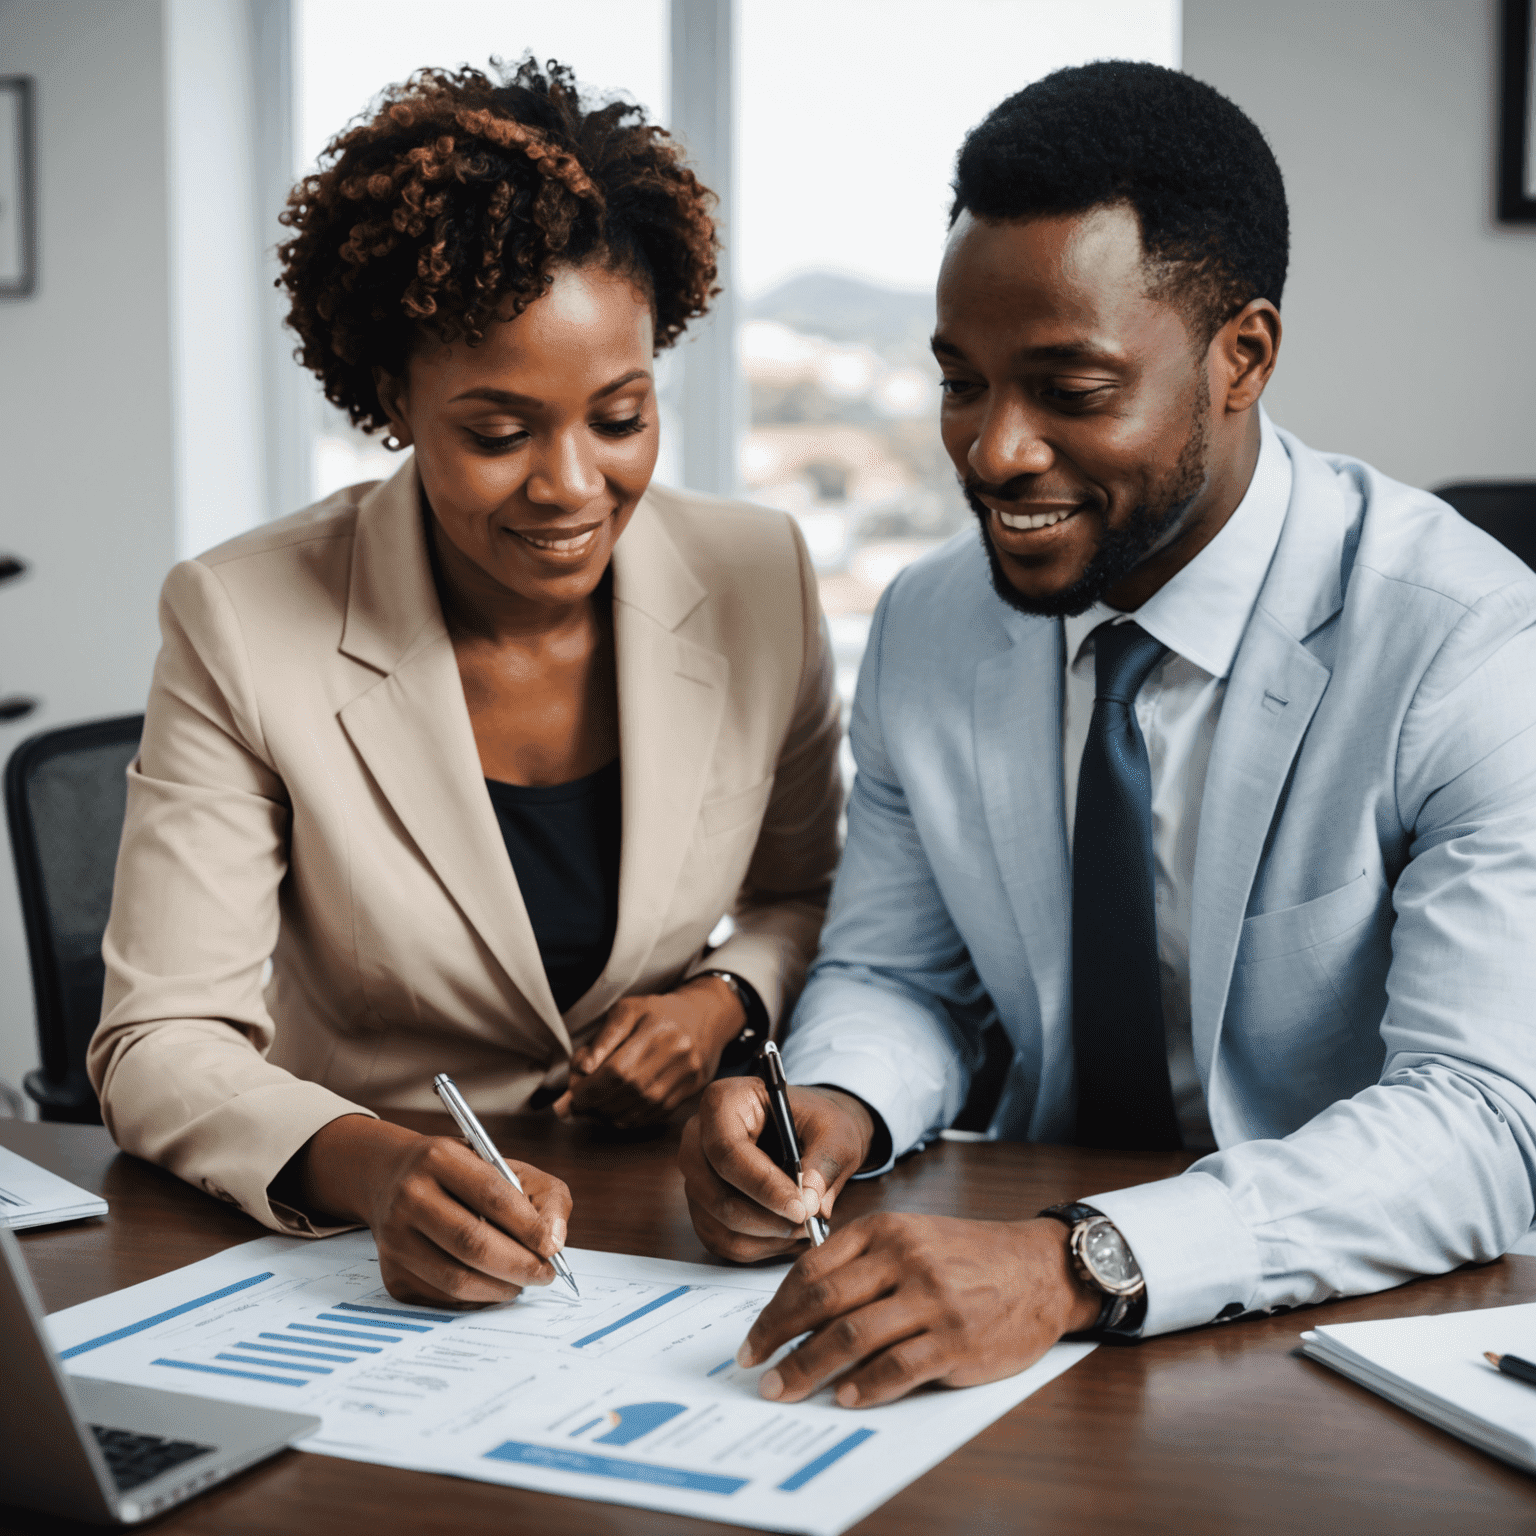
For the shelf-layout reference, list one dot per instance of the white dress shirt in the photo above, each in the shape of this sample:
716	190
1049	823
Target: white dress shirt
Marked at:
1200	615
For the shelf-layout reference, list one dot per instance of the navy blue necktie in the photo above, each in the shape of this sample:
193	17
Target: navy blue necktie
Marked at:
1123	1095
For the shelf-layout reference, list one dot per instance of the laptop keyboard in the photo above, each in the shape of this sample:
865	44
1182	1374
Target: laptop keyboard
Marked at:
134	1459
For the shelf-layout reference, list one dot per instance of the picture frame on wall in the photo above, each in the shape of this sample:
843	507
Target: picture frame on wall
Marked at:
1517	113
18	188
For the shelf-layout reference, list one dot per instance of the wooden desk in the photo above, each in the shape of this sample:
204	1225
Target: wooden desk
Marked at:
1220	1430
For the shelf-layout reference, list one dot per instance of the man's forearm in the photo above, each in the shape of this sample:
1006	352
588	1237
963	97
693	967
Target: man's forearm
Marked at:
1410	1177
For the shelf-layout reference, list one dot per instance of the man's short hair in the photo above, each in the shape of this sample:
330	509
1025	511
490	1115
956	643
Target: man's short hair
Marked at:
1199	174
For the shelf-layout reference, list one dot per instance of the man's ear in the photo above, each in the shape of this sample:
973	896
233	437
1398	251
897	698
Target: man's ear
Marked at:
391	393
1243	354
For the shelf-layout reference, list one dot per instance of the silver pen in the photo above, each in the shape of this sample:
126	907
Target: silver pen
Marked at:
474	1134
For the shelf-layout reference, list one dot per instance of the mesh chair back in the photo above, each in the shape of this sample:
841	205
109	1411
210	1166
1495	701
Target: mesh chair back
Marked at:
65	795
1504	508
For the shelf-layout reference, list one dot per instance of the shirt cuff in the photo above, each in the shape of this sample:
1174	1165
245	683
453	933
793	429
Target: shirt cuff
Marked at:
1197	1256
872	1079
881	1148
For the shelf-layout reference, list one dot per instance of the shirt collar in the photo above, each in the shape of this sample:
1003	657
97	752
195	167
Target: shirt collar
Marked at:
1202	611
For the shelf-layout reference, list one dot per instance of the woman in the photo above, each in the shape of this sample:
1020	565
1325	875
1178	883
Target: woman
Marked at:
479	756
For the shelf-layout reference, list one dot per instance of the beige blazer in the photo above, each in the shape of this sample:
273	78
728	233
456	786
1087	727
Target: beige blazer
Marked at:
308	791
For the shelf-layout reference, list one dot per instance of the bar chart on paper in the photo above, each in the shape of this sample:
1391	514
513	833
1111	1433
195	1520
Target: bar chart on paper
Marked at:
630	1394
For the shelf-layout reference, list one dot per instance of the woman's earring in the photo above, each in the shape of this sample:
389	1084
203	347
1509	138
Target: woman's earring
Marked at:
393	443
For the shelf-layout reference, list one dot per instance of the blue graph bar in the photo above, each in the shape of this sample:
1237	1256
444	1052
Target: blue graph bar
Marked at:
161	1317
223	1370
303	1353
287	1365
403	1327
347	1333
558	1459
423	1317
625	1321
314	1354
797	1480
331	1317
723	1364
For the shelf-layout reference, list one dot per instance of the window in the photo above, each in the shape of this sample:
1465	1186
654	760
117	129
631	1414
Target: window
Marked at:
841	208
847	118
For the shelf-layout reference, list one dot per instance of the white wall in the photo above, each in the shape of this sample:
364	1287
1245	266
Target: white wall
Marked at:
215	275
87	492
135	427
239	399
1410	315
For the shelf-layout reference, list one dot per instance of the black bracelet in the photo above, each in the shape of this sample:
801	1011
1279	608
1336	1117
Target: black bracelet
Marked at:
754	1032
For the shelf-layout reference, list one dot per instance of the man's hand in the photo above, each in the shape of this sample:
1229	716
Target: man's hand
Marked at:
893	1301
450	1230
653	1053
743	1206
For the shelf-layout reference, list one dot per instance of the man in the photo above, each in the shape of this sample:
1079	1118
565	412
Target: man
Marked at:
1208	774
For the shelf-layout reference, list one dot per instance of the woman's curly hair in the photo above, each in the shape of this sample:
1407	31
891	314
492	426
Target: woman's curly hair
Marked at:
457	200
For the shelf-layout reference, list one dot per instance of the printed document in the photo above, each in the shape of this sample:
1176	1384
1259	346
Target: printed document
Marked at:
631	1395
33	1197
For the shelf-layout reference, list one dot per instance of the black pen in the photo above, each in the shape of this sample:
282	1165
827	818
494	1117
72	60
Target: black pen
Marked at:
1512	1365
771	1066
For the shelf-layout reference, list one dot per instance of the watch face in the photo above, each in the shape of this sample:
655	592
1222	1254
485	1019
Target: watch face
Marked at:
1105	1253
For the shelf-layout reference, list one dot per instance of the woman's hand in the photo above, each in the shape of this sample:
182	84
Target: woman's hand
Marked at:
450	1230
653	1053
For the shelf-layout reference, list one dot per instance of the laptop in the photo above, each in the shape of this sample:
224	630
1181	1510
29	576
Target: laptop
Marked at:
103	1452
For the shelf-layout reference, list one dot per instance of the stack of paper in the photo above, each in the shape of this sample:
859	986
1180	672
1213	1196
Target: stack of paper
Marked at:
630	1395
1434	1367
32	1197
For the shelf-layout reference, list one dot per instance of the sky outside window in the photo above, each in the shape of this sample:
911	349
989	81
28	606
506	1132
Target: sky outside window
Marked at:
851	113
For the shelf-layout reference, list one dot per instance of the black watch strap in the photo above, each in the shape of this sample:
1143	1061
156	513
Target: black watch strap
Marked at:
1070	1212
1132	1311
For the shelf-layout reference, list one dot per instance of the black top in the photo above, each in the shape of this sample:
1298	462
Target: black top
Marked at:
563	840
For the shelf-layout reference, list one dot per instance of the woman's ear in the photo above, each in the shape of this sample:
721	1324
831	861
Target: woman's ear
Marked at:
392	396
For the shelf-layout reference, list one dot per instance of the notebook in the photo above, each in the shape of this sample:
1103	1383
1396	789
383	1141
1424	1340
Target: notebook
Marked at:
1434	1367
32	1197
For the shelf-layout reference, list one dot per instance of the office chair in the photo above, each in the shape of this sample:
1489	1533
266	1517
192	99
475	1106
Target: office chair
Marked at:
65	796
1504	508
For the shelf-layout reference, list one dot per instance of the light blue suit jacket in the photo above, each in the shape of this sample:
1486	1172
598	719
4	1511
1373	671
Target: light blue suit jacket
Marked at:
1362	967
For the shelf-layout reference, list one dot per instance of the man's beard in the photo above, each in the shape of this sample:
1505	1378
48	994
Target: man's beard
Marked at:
1120	550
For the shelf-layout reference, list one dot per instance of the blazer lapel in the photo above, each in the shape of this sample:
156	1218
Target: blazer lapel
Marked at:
1018	753
1271	696
412	729
1274	689
672	696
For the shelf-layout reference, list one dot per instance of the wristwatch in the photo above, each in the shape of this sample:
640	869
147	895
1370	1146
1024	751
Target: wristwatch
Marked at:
1103	1261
